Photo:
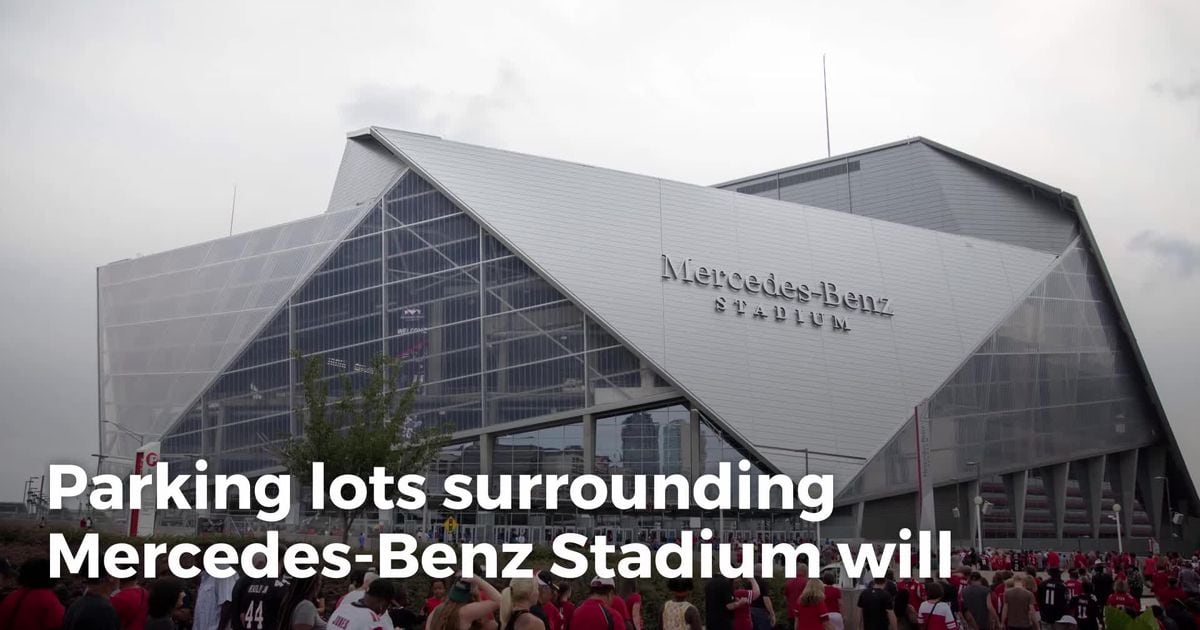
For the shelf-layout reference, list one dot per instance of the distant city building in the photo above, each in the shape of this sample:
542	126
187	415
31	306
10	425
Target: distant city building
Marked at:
562	318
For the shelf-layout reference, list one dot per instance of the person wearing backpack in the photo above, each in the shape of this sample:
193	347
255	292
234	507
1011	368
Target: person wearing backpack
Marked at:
934	613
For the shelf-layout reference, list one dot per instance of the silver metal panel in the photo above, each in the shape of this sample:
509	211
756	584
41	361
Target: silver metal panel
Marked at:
600	234
366	169
897	185
920	183
560	217
997	208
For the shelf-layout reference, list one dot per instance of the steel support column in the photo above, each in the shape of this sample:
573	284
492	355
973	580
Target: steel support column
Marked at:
1152	467
1015	486
694	463
589	444
1091	484
1122	475
1054	483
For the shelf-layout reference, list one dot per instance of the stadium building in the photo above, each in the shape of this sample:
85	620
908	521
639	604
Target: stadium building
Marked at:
569	319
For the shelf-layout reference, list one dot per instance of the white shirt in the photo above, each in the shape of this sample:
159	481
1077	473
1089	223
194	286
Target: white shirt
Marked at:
353	617
211	593
349	598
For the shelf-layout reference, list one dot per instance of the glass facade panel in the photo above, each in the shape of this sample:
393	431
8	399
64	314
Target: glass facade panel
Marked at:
171	322
1055	383
650	442
484	337
554	450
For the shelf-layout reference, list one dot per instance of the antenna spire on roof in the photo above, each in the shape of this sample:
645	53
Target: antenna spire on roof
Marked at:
825	84
232	209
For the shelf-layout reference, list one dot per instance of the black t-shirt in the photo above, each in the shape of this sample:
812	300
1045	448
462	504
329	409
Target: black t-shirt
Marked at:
875	603
256	603
763	585
1102	583
405	618
1086	611
91	612
1052	600
718	593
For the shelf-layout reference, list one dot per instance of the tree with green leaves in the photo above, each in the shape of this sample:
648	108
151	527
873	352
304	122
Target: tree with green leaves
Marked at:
362	428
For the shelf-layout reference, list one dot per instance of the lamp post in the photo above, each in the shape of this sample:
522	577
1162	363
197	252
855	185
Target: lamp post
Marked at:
979	521
1117	517
978	503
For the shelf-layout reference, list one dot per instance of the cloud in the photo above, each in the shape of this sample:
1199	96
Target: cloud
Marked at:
1177	91
463	117
1180	255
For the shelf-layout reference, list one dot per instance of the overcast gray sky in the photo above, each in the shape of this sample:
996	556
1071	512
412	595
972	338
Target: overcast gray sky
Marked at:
124	126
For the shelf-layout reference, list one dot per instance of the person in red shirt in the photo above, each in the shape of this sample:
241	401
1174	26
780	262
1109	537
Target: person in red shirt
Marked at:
809	609
633	603
741	615
795	586
33	606
546	598
1161	580
566	607
617	604
1074	586
132	604
1052	560
596	612
833	594
1123	600
1169	594
915	588
437	593
998	580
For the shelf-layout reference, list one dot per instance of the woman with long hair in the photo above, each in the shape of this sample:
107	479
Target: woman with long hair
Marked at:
299	608
515	602
809	609
464	608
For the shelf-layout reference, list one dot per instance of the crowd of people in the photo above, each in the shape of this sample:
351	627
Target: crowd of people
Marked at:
1023	591
1039	590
